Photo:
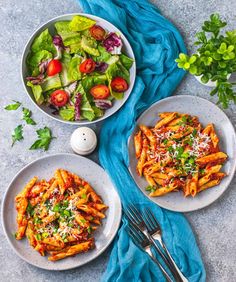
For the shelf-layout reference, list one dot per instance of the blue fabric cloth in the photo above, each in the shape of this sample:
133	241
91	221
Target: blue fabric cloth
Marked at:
156	43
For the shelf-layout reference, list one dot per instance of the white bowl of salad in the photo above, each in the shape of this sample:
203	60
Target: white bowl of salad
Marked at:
78	68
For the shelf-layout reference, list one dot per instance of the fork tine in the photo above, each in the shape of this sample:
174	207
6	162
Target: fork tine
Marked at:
147	221
129	216
152	216
136	211
133	238
152	223
135	234
133	215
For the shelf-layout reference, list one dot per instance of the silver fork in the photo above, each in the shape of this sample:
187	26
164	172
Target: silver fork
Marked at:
135	217
154	229
143	243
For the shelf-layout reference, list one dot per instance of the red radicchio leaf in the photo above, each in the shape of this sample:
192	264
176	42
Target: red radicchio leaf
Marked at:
112	41
36	79
78	100
59	45
43	66
103	104
101	66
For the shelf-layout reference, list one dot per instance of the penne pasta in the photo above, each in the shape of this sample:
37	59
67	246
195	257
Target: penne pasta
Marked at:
59	216
165	120
212	158
179	153
162	191
73	250
138	142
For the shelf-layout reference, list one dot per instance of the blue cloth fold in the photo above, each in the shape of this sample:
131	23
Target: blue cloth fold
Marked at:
156	43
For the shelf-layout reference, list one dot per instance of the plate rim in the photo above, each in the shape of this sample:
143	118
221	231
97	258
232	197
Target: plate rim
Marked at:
230	178
119	216
23	55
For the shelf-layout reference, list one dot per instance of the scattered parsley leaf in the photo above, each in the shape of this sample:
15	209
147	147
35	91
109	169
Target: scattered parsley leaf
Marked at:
13	107
17	134
27	116
45	137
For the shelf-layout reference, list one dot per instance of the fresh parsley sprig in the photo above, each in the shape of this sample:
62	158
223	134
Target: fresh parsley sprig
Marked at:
44	134
27	116
44	139
13	107
17	134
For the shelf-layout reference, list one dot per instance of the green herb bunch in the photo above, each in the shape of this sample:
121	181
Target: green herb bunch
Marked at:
215	58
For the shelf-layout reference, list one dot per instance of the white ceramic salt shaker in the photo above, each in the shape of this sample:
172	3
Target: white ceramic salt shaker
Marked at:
83	141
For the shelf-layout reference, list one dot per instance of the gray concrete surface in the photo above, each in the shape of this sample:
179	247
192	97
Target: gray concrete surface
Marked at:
215	226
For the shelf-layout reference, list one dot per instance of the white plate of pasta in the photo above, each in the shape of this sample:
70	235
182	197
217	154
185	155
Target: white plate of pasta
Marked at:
182	153
62	210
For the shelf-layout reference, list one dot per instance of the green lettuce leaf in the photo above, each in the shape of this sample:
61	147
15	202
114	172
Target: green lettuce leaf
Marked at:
114	70
80	23
89	45
73	70
69	72
113	60
37	92
67	113
76	49
117	69
104	55
98	112
62	27
91	80
126	61
68	36
87	111
43	42
34	59
51	82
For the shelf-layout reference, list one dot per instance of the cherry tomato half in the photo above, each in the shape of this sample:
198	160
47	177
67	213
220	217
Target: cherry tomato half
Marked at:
59	98
54	67
119	84
87	66
100	91
97	32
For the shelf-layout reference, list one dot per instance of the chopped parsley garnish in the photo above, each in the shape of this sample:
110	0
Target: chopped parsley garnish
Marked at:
165	141
89	229
194	133
56	208
201	171
67	213
38	237
151	188
30	209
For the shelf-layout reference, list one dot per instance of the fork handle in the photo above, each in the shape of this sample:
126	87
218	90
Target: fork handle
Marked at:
182	277
164	272
165	259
